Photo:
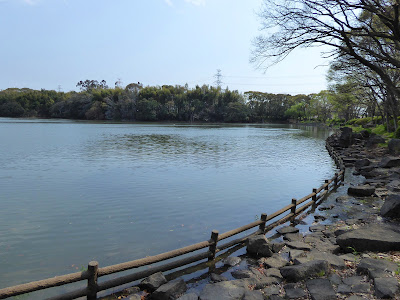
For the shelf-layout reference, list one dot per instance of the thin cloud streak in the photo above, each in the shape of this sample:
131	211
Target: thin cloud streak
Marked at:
196	2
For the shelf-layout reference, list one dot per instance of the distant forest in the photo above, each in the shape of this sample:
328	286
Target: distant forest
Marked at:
97	101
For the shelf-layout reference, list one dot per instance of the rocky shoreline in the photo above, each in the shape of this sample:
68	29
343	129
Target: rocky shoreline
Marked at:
351	251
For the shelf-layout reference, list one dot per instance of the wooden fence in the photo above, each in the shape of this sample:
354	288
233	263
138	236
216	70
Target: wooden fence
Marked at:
213	246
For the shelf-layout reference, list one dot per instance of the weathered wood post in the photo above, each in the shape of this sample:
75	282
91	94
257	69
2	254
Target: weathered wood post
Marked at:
293	210
92	287
264	220
314	200
336	179
213	247
327	185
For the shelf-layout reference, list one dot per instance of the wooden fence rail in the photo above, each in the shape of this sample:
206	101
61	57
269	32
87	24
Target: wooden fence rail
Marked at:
295	208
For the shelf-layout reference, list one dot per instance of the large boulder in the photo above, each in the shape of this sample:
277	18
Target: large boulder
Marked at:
259	246
153	282
374	140
394	146
346	137
222	290
386	287
321	289
361	190
390	162
391	207
170	290
371	237
306	270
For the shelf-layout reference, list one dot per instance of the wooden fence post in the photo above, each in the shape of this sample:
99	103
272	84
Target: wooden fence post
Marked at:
327	186
92	287
314	199
264	220
336	179
213	246
293	210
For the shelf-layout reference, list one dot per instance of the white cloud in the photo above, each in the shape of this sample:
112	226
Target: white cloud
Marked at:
196	2
169	2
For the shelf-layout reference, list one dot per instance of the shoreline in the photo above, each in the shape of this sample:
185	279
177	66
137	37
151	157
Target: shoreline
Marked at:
331	261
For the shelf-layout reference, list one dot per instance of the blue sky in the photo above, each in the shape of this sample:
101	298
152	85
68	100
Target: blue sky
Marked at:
56	43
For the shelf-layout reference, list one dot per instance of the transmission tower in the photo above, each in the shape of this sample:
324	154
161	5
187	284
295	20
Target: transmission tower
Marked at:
218	78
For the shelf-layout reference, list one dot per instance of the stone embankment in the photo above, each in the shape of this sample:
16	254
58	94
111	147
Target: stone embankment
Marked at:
351	251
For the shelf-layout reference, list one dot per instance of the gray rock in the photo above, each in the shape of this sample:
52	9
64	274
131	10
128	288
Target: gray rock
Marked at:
295	293
362	190
390	162
353	280
344	289
190	296
153	282
276	247
321	289
335	279
275	297
259	246
292	237
361	288
354	297
253	295
217	278
303	271
332	259
374	140
344	199
294	253
391	207
394	146
275	261
394	186
135	297
170	290
386	287
346	137
240	274
272	272
370	266
223	291
362	163
271	290
298	246
370	238
316	228
232	261
287	229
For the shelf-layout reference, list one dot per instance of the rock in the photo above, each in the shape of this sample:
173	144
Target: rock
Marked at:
390	162
374	140
362	190
271	290
316	228
386	287
170	290
373	266
346	137
303	271
394	146
135	297
217	278
153	282
276	247
240	274
335	279
223	291
253	295
294	253
272	272
321	289
344	289
357	285
295	293
259	246
391	207
232	261
276	261
298	246
343	199
362	163
332	259
393	185
291	237
287	229
370	238
319	217
190	296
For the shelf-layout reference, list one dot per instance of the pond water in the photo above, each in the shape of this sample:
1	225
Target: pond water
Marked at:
72	192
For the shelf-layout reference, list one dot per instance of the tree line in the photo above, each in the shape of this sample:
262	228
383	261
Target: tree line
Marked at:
97	101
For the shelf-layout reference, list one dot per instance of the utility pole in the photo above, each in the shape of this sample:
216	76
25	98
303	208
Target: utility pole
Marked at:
218	78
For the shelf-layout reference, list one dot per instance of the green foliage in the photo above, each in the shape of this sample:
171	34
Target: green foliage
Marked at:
380	130
397	133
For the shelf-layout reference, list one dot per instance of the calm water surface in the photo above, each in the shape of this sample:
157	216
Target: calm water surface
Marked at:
71	192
